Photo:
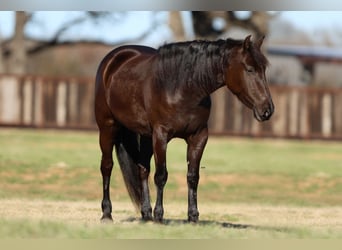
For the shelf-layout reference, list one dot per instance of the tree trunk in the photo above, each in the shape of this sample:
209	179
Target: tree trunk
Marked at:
176	25
2	66
18	58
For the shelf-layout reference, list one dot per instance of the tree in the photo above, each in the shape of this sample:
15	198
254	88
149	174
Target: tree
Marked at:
176	25
17	62
16	51
2	67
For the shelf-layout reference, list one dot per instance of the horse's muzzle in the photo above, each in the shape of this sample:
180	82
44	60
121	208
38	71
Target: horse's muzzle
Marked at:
265	113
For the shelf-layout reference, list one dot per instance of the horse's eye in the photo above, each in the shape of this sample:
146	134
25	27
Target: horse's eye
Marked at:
250	69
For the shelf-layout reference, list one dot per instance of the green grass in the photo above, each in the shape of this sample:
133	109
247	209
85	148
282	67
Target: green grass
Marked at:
59	164
64	165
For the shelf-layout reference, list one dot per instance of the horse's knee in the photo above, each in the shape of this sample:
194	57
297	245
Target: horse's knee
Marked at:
160	179
192	179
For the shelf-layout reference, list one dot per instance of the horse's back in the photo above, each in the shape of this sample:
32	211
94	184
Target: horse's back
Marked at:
118	58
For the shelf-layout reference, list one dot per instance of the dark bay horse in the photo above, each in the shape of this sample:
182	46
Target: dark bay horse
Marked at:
146	97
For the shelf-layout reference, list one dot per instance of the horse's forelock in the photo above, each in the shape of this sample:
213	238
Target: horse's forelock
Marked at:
258	56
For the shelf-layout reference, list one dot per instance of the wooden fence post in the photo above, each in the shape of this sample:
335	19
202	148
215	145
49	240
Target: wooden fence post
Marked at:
61	104
73	102
304	128
280	116
27	100
38	117
337	114
326	115
293	112
10	100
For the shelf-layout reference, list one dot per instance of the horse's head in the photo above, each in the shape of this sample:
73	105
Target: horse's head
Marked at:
245	77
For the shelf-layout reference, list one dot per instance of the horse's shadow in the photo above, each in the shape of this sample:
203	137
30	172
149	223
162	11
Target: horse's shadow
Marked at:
228	225
171	222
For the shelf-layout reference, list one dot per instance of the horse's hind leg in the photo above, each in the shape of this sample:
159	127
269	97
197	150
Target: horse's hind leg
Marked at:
107	137
145	155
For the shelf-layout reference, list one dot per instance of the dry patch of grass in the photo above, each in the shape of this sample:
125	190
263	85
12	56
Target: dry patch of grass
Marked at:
222	220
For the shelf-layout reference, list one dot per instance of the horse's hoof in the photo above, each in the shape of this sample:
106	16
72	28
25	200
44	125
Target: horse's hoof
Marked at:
158	214
106	219
193	220
158	219
147	217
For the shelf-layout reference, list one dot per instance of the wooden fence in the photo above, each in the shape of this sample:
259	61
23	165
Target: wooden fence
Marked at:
300	112
35	101
42	102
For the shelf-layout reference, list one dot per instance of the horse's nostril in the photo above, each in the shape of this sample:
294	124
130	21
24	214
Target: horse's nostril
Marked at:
267	114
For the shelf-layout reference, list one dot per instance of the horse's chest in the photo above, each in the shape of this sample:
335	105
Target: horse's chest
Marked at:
181	115
188	121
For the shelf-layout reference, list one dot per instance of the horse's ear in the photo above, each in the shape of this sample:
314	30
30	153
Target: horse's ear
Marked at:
247	42
260	41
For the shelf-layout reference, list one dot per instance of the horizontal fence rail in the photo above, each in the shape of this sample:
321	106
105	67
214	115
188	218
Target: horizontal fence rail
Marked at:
44	102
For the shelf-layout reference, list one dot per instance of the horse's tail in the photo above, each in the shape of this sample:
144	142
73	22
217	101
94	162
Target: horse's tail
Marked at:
127	151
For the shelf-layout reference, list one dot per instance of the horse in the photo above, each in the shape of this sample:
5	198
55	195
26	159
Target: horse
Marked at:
144	97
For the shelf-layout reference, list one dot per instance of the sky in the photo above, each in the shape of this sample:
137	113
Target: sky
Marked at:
313	20
47	22
135	23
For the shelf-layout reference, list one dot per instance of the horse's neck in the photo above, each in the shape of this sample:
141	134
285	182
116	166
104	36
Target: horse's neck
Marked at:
211	86
216	86
215	79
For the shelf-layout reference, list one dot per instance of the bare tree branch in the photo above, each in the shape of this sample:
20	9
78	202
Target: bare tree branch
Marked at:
16	50
67	26
42	45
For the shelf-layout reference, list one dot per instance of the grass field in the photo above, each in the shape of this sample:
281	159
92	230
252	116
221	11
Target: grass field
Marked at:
50	186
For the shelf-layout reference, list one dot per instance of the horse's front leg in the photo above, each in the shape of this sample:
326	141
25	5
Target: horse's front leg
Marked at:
144	163
196	144
159	150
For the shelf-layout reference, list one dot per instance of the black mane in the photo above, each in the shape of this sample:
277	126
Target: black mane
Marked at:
198	62
190	62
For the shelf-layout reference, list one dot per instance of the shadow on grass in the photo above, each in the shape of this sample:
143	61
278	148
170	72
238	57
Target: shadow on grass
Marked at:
205	223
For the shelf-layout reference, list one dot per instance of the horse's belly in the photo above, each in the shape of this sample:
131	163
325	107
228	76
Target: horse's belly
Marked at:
127	105
133	118
138	125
